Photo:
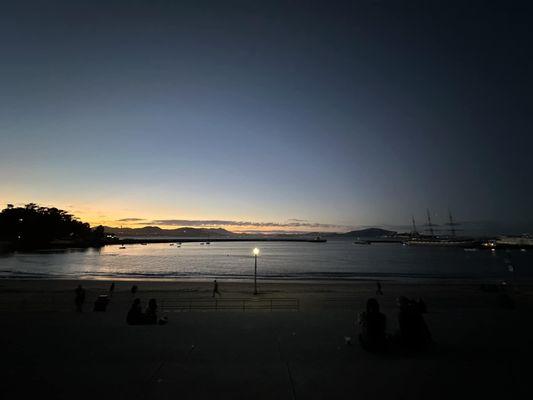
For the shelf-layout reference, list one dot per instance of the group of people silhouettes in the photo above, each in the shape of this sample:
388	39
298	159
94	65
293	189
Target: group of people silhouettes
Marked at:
413	332
135	314
149	317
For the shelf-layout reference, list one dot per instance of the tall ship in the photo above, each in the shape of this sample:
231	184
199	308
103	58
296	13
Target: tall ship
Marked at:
432	239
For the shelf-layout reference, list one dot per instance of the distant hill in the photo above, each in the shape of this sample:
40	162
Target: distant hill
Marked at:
364	233
188	232
155	231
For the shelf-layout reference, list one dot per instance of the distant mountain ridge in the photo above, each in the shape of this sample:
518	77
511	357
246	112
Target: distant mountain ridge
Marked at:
155	231
368	233
361	233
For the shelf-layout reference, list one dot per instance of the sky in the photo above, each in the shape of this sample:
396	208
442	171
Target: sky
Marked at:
278	115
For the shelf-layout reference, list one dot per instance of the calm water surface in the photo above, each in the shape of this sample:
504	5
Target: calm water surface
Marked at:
278	260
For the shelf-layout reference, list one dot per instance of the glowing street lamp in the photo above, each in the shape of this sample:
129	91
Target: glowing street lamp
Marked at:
256	253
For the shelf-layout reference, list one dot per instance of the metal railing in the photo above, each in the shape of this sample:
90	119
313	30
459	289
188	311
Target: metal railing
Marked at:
36	303
243	304
44	302
60	303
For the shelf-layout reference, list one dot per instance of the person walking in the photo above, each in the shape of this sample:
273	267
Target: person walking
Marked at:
215	288
378	290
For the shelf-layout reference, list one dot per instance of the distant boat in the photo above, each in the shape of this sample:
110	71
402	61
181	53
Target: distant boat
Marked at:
143	244
207	242
318	239
359	241
171	244
521	242
122	247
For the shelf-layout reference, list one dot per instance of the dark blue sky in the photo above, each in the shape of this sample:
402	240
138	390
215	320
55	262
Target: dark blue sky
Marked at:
341	113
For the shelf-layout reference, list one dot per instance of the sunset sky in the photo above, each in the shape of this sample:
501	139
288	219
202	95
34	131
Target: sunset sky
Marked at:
298	116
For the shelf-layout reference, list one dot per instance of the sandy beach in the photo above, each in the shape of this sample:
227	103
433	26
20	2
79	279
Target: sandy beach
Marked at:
482	350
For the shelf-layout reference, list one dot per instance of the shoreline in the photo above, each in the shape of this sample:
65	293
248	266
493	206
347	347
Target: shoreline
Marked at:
289	280
300	286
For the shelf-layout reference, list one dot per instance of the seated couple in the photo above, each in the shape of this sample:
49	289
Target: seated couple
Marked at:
149	317
413	333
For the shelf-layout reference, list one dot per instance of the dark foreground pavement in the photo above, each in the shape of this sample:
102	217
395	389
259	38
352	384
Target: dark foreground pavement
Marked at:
481	353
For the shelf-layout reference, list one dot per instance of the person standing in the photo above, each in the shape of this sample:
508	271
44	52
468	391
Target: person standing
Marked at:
215	288
111	288
80	298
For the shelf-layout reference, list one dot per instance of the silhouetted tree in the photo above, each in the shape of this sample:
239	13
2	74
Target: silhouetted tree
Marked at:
33	225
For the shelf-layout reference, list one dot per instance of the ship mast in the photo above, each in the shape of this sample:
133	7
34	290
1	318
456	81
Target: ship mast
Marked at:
414	232
452	224
430	225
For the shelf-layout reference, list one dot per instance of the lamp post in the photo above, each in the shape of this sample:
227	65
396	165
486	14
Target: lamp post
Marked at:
256	253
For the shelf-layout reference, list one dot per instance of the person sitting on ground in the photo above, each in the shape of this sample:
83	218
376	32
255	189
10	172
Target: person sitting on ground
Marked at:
420	304
151	314
135	315
414	333
372	325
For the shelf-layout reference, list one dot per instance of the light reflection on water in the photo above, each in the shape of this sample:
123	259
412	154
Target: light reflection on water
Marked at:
278	260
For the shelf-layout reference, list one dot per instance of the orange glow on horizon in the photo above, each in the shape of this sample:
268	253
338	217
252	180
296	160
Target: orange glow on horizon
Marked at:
116	223
115	215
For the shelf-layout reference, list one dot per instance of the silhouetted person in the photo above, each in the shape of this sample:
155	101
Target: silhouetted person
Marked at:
151	312
421	305
80	298
414	333
215	288
112	288
150	316
378	288
134	289
135	315
372	324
